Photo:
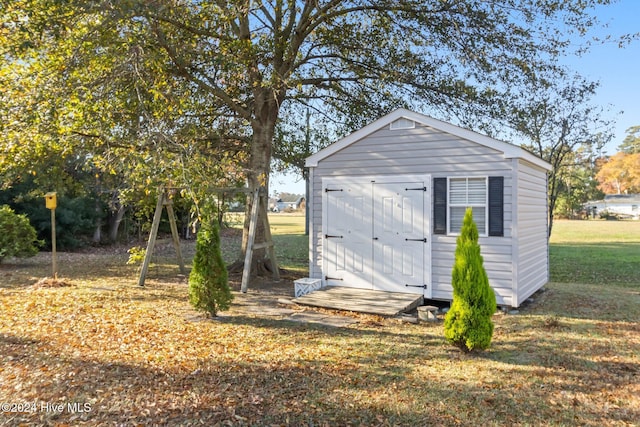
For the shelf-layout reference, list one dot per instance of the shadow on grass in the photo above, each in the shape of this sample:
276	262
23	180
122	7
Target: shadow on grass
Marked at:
302	392
380	390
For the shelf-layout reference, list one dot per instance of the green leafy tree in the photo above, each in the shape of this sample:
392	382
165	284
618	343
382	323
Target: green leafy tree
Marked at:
17	236
631	142
468	324
557	121
208	281
577	183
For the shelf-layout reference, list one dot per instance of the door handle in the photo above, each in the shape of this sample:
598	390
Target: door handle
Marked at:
424	239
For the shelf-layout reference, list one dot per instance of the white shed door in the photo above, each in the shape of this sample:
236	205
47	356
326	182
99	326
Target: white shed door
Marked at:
399	237
375	234
347	235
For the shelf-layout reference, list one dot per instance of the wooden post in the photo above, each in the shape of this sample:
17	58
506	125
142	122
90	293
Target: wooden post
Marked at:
51	202
248	256
54	254
259	206
174	233
268	239
152	238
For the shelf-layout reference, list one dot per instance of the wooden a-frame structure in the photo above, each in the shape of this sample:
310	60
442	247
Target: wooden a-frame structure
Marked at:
163	201
259	206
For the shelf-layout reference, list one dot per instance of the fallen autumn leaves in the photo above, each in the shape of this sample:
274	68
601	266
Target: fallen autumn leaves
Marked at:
114	354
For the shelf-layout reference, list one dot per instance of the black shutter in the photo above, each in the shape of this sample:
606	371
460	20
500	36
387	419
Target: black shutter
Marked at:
439	205
496	206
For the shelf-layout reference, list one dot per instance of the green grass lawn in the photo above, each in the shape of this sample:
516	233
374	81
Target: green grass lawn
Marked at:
596	252
142	356
292	245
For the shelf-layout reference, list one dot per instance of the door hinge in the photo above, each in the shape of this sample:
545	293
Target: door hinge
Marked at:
416	189
333	278
424	239
415	286
330	236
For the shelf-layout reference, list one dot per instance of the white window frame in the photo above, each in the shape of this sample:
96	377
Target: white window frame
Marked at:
484	205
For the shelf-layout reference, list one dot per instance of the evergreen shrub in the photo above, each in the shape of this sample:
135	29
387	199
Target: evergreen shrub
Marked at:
468	323
208	282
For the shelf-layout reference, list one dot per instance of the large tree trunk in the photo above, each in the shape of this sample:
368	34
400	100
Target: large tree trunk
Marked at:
116	215
114	223
258	178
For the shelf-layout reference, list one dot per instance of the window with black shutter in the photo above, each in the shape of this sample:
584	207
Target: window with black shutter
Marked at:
452	196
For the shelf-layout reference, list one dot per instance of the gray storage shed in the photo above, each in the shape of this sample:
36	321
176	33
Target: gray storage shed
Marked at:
386	205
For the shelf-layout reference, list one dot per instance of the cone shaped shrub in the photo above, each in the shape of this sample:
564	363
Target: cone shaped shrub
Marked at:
468	324
208	282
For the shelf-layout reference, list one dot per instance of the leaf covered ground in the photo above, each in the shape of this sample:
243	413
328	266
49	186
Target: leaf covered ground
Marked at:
102	351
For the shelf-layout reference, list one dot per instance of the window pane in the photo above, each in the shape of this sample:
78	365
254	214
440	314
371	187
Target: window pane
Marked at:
464	193
458	191
480	218
477	184
458	198
457	215
477	191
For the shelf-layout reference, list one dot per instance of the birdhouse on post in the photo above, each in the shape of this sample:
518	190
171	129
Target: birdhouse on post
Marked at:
50	200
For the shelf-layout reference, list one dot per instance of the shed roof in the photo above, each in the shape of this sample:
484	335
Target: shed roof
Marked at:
509	150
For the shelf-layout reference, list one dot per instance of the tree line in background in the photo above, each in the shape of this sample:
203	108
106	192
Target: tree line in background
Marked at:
105	101
620	173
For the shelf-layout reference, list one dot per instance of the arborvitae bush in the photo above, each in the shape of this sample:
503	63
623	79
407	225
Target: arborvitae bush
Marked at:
468	323
208	282
17	237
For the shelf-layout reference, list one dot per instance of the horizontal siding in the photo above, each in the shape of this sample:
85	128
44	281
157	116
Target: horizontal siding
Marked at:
504	296
497	260
533	260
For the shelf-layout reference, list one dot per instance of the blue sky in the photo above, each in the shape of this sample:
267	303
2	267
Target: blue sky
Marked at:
617	69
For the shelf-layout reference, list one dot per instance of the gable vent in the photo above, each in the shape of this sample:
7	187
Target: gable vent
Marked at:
402	123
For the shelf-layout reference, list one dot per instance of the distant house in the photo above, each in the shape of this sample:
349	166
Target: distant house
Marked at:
287	201
622	205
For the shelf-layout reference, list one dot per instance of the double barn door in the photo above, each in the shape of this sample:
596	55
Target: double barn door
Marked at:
375	233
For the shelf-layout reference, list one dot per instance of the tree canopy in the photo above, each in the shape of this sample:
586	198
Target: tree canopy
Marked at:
195	91
557	121
620	174
631	143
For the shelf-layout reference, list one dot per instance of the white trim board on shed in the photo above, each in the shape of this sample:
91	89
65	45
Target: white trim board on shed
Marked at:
506	184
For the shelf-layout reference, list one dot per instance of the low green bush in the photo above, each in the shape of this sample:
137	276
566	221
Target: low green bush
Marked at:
18	238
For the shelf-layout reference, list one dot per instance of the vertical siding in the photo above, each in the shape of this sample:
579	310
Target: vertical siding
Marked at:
423	150
532	253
